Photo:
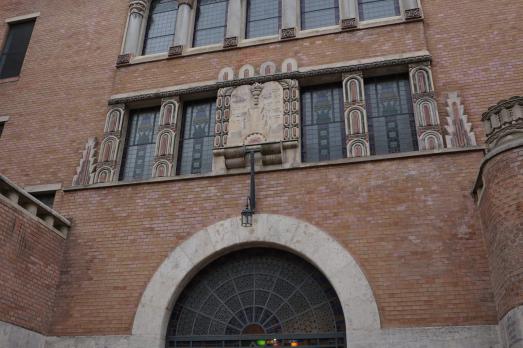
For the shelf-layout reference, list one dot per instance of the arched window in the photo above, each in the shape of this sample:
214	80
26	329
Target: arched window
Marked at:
319	13
254	298
161	26
211	22
263	18
374	9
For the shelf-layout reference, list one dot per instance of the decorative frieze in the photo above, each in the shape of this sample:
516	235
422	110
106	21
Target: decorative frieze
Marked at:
165	158
426	114
110	146
85	172
459	130
355	115
504	122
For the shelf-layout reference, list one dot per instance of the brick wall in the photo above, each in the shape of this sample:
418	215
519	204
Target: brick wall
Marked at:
30	261
502	217
410	223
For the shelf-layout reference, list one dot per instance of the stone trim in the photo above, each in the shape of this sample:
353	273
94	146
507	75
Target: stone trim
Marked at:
4	119
294	75
23	18
354	291
21	199
43	188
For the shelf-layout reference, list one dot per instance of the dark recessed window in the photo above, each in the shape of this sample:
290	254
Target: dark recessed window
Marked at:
140	145
15	48
319	13
198	138
1	128
46	198
263	18
392	127
374	9
211	19
323	129
160	26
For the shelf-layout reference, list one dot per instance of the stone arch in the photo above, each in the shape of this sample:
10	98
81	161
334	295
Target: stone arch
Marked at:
309	242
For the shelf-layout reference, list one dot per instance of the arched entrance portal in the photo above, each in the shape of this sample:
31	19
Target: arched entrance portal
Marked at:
259	297
310	243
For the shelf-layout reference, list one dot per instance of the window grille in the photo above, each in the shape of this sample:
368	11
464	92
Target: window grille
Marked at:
15	48
211	19
198	138
392	127
319	13
263	18
257	297
374	9
323	128
140	145
161	26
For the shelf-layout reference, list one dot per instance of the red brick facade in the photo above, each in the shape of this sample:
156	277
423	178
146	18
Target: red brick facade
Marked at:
409	221
30	263
502	216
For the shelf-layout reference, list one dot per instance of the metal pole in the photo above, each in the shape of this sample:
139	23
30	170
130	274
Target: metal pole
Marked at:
253	184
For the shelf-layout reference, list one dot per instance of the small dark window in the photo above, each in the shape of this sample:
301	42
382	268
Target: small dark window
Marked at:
374	9
323	129
140	145
319	13
197	138
1	128
391	121
15	48
160	26
263	18
46	198
211	22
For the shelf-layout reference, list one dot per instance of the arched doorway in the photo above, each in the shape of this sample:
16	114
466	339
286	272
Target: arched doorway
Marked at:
258	297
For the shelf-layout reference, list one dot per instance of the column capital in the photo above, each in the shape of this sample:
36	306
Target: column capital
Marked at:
138	6
190	3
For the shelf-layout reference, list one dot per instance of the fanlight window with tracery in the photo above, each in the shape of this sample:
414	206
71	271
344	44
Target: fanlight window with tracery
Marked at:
258	297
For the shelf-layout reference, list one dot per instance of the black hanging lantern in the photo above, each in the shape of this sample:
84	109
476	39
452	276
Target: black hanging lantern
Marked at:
247	214
250	207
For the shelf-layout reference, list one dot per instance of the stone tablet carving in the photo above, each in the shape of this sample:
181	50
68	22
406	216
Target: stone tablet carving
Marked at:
256	114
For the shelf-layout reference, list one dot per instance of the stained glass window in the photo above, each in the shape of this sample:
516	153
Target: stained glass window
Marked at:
319	13
198	138
390	115
140	145
263	18
160	26
323	129
374	9
211	22
258	298
15	48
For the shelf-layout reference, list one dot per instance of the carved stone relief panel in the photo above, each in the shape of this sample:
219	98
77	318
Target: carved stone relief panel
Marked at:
258	114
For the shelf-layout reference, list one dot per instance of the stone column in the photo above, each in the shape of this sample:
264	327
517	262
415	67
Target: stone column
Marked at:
183	27
499	195
135	22
289	20
348	15
412	9
234	24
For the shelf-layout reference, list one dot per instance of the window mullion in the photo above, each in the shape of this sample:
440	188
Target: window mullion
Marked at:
166	138
355	116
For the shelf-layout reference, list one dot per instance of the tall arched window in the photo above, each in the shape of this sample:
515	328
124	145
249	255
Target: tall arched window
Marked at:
161	26
211	22
374	9
319	13
263	18
258	298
